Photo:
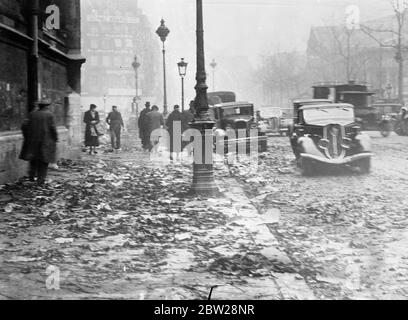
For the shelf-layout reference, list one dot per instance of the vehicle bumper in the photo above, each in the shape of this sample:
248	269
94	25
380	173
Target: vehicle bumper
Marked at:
346	160
261	141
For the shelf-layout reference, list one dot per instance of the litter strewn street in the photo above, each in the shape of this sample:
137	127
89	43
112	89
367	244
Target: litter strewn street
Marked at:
121	226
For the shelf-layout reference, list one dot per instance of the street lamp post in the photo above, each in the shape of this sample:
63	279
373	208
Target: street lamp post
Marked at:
213	65
203	171
182	66
388	89
163	32
135	109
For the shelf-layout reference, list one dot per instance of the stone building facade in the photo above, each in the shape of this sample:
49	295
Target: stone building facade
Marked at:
114	32
38	60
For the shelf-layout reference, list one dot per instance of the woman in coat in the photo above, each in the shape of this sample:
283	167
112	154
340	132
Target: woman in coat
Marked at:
91	119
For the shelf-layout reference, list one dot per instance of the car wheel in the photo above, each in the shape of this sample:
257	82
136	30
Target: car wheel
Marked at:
365	165
306	167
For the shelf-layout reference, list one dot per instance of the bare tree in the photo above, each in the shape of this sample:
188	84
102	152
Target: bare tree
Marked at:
283	76
397	41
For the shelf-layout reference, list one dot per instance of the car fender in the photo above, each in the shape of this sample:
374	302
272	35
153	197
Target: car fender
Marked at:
307	145
364	141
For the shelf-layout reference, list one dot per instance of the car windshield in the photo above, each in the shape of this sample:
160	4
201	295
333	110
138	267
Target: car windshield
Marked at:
326	115
238	111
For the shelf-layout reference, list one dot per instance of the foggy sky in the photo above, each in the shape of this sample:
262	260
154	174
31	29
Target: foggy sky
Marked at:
245	30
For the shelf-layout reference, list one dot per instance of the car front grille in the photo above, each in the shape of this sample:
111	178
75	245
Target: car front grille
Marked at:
240	125
334	139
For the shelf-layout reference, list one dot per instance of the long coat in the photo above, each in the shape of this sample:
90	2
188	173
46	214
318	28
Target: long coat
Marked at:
143	129
172	119
40	137
186	117
154	120
91	140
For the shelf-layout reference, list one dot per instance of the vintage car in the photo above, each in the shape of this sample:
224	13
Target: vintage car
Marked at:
218	97
384	117
297	104
378	117
370	117
274	120
237	116
327	134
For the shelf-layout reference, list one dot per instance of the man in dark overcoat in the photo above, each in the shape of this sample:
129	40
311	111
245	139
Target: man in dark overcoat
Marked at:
173	124
187	117
154	120
40	141
115	122
143	129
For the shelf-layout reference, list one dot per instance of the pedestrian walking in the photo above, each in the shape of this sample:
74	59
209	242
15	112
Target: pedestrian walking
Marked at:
143	129
91	119
154	120
173	125
115	122
40	141
187	117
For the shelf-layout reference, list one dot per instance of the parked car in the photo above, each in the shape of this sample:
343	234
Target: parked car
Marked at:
220	97
328	134
379	117
238	116
371	117
273	120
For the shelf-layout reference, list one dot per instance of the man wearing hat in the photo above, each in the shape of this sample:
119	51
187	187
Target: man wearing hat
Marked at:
143	126
40	141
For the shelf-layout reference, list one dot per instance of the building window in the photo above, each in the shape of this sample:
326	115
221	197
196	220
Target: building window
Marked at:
118	43
94	44
94	61
117	61
106	61
129	43
105	44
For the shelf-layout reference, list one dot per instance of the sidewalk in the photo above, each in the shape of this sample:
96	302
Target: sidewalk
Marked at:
118	226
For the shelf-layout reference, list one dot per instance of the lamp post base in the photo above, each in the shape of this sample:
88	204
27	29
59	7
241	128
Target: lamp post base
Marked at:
203	171
203	181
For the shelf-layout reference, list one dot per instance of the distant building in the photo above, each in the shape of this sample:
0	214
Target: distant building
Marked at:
332	48
113	33
24	78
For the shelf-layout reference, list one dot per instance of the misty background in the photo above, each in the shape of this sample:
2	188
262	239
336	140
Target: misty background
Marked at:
238	33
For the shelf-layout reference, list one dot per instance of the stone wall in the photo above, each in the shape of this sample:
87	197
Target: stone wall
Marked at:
11	167
59	79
